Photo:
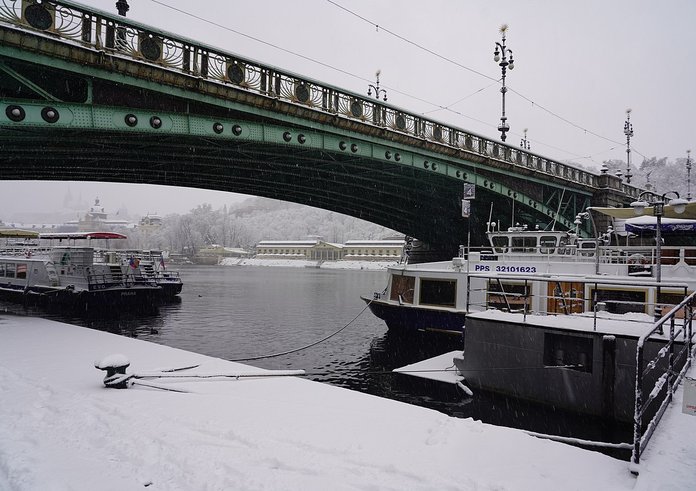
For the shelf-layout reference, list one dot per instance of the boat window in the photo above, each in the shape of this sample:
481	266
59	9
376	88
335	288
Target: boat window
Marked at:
2	270
402	288
438	292
21	271
562	243
621	301
504	295
565	297
547	244
9	270
523	244
568	351
669	299
500	244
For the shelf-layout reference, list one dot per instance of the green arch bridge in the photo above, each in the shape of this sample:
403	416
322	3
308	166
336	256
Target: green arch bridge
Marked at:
87	95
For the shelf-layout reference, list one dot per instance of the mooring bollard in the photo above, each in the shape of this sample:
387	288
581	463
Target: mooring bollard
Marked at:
115	367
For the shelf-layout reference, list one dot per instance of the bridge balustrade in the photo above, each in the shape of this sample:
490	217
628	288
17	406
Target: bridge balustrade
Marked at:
118	36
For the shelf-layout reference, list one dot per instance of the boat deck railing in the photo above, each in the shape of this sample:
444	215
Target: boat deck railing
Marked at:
668	367
99	281
514	293
638	256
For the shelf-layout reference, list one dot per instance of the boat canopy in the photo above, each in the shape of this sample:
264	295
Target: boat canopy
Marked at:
649	224
16	233
82	235
626	213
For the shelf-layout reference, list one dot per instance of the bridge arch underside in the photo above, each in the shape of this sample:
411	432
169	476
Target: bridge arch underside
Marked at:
357	169
422	204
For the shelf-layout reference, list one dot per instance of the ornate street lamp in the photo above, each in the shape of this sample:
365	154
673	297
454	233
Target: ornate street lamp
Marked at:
122	7
524	143
639	206
500	56
688	175
628	131
376	88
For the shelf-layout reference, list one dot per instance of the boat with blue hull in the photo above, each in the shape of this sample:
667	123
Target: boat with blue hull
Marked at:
66	278
437	296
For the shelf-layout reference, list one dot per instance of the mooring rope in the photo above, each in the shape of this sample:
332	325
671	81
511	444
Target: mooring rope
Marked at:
309	345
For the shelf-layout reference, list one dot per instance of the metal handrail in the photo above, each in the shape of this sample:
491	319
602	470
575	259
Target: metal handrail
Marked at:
116	35
668	376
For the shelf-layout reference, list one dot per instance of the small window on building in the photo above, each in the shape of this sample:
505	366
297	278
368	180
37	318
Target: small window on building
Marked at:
438	292
568	351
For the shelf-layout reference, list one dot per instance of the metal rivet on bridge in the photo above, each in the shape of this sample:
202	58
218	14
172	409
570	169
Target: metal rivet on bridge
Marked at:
131	120
388	155
459	173
50	114
397	157
353	148
218	128
509	193
15	113
434	166
237	130
342	145
155	122
491	185
426	164
287	136
514	195
301	138
485	183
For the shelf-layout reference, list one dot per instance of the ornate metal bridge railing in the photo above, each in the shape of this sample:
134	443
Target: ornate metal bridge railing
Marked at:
99	30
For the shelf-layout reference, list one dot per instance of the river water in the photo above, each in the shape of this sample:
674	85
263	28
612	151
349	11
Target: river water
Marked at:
238	312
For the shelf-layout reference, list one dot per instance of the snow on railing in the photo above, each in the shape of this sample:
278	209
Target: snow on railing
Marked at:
669	376
109	33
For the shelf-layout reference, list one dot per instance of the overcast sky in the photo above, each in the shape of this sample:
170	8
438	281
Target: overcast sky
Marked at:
578	66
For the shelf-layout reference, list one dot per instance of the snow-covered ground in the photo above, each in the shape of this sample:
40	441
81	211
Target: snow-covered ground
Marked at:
61	429
303	263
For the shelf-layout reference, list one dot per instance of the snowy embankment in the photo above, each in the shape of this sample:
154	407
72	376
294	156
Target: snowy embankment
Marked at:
60	428
303	263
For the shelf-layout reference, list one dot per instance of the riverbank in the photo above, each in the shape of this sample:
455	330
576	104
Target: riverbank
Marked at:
302	263
60	428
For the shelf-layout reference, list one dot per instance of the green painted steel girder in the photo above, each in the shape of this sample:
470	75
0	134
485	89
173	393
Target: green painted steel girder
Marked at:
118	125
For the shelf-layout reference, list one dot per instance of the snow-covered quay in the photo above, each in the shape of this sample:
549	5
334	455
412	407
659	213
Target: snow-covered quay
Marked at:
61	429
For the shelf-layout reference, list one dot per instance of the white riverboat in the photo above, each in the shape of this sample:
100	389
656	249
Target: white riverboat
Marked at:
549	272
67	278
141	266
552	318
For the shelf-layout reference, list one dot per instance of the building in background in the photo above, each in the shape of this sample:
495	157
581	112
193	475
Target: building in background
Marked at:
319	250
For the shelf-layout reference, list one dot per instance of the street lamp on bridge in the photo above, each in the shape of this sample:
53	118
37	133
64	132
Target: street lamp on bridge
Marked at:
524	143
376	88
658	209
688	175
628	131
500	56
